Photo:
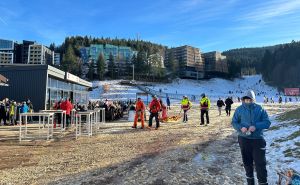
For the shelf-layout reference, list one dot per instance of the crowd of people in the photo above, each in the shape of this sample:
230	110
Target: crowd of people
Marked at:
280	99
249	120
158	110
10	111
114	110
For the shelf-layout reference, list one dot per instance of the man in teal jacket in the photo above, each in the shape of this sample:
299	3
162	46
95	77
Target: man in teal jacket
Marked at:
249	120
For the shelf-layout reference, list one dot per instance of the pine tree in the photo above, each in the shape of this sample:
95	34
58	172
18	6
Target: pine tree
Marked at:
266	62
101	66
69	62
140	64
52	47
91	71
111	66
128	70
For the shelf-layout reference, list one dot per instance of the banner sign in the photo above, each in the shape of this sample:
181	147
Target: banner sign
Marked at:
291	91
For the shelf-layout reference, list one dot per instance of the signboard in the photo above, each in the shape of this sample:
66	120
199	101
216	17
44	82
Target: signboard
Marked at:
71	77
291	91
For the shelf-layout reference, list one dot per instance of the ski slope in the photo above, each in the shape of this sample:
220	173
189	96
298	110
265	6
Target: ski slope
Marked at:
214	88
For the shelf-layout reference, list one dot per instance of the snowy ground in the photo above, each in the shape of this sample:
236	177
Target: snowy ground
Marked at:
283	145
214	88
217	87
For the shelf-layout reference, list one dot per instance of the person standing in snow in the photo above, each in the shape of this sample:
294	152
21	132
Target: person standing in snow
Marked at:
220	104
185	106
204	106
249	120
228	103
280	100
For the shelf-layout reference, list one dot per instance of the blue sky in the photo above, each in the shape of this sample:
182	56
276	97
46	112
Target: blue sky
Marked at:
206	24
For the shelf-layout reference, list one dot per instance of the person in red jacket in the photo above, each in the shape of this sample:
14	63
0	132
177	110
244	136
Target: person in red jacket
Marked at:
154	110
67	106
139	112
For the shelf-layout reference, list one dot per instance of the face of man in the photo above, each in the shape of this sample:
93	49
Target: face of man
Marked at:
248	101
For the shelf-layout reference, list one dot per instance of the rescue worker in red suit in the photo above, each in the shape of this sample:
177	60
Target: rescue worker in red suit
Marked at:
139	112
154	110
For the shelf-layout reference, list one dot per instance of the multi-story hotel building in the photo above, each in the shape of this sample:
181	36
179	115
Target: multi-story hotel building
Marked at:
40	54
7	51
189	59
215	62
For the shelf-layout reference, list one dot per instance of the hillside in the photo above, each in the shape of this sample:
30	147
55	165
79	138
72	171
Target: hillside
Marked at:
214	88
279	64
69	49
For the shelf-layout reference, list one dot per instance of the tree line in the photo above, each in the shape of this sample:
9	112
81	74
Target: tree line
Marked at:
279	64
245	60
71	60
281	67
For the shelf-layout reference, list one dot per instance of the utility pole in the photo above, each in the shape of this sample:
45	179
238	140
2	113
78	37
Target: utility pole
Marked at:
132	72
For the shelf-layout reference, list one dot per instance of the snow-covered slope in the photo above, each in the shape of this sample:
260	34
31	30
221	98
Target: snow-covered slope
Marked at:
283	143
115	91
214	88
217	87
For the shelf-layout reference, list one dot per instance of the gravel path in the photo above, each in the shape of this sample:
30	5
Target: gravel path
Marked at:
177	153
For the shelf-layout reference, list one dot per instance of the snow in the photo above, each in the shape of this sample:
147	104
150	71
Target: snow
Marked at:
115	92
275	150
213	88
216	87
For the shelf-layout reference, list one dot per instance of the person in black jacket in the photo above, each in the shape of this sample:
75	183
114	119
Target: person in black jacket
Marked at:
220	104
3	113
228	103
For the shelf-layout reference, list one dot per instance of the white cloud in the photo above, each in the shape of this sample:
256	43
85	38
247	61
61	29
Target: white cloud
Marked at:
3	21
272	9
186	12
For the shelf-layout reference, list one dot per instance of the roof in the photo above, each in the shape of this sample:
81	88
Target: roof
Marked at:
52	71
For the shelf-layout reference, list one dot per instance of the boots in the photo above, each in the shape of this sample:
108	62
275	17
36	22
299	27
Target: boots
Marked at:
250	181
262	183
